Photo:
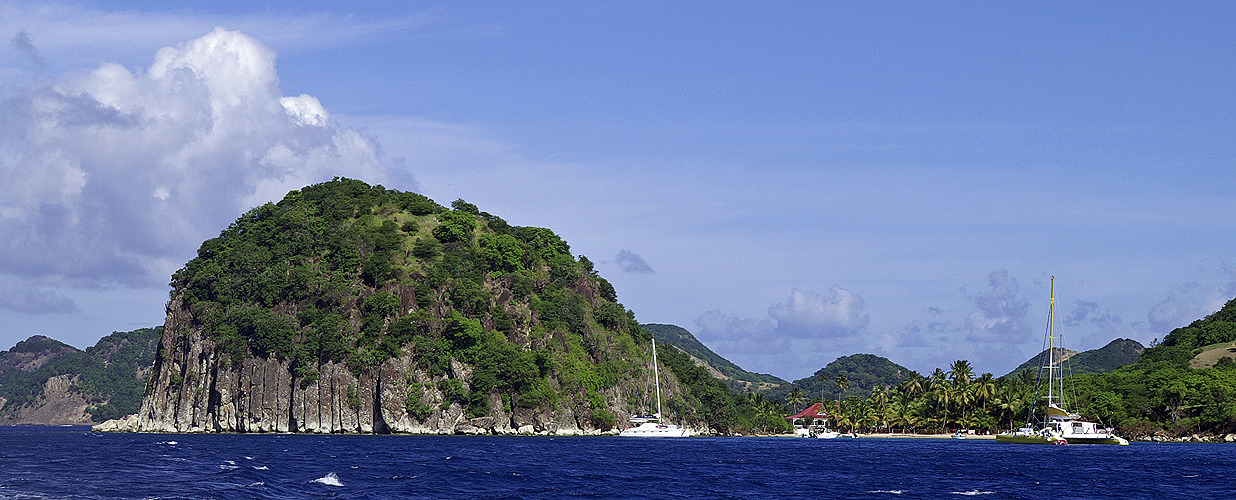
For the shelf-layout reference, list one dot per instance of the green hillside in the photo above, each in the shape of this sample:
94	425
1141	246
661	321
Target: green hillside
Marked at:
357	274
1115	354
111	375
736	378
1162	392
863	372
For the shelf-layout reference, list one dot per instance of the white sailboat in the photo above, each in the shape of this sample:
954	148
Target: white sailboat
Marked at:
651	425
1062	426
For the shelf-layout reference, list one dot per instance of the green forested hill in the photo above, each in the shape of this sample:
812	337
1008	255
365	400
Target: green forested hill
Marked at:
736	378
1161	392
110	375
862	373
1115	354
350	273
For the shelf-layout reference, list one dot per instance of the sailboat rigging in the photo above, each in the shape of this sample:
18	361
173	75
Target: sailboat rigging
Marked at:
1062	426
651	425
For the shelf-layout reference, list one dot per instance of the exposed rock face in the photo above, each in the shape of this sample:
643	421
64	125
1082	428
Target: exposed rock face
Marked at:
58	405
197	388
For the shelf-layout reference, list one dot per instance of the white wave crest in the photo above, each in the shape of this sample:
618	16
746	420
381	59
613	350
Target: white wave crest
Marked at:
891	492
973	492
330	479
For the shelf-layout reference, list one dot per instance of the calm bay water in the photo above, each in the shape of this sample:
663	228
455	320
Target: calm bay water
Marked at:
70	462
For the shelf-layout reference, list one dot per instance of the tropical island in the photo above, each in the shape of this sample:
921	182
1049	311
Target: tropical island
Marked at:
350	308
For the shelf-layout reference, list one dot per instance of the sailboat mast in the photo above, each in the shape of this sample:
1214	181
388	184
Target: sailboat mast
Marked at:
1051	343
656	378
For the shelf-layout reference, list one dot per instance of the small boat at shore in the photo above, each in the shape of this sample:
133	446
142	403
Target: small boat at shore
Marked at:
830	434
1061	425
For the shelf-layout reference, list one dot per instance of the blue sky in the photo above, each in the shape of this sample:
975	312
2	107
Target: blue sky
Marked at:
791	183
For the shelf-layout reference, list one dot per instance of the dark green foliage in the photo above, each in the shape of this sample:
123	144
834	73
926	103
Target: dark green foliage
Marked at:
455	226
602	419
108	371
427	249
502	252
415	407
464	206
863	371
1213	329
354	397
544	243
1115	354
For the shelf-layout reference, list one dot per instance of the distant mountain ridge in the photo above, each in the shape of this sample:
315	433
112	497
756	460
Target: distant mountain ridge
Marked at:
1117	353
47	382
738	379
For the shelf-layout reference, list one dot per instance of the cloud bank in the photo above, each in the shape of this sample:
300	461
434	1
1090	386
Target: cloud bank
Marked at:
114	177
1002	315
799	335
809	315
631	262
1191	301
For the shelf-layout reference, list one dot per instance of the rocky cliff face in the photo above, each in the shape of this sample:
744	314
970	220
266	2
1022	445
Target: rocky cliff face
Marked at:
196	388
58	404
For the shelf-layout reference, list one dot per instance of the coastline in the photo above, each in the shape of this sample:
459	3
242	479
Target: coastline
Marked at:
898	435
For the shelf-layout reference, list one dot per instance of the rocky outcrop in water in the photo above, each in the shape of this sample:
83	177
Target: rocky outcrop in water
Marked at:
196	388
349	308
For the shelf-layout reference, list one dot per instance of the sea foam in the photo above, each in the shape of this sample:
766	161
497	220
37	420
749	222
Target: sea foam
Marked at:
330	479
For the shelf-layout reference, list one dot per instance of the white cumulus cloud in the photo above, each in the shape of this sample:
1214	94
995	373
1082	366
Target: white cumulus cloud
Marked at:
1002	314
115	176
809	315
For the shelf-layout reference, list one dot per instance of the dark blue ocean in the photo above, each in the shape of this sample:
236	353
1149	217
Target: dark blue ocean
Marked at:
71	462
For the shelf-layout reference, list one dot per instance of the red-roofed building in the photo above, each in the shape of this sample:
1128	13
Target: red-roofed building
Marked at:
814	412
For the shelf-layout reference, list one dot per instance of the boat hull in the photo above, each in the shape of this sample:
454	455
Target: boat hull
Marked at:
1041	439
1027	439
651	430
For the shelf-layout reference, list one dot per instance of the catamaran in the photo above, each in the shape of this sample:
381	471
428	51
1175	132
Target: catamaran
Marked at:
1062	426
651	425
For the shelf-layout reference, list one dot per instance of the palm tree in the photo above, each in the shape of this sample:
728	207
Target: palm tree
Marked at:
795	398
879	397
913	384
984	388
961	372
843	383
944	393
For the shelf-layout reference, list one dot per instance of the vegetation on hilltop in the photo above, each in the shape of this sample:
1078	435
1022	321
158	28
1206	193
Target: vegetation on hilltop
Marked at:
110	375
1115	354
1161	392
861	372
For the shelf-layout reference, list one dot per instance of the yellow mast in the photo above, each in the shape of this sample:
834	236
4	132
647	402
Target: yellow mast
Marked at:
1051	342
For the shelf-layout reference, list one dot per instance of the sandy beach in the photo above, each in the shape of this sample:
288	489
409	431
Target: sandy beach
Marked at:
897	435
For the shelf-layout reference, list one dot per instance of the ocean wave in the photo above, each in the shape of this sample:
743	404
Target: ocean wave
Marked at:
330	479
891	492
973	492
